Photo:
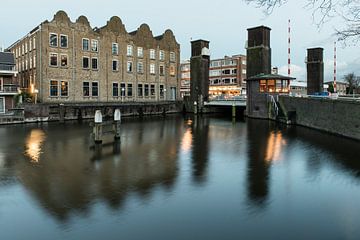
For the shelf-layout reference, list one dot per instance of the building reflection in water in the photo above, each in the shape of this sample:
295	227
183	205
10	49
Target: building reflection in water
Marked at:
69	182
200	148
264	147
33	145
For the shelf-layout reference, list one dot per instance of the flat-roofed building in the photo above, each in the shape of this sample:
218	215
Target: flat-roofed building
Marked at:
65	61
8	82
226	76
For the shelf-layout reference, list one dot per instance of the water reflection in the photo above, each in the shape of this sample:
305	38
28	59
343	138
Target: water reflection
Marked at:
200	148
275	146
33	146
72	176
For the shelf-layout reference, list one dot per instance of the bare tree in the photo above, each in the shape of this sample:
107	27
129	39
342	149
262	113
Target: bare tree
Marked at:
324	10
353	82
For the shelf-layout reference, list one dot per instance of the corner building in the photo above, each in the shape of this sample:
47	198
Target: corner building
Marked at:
63	61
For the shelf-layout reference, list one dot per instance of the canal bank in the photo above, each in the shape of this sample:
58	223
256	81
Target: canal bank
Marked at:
78	111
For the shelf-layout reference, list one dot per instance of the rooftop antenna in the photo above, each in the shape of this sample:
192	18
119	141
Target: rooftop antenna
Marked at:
289	61
335	67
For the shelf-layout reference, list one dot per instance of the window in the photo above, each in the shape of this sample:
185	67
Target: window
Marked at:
115	49
63	60
30	45
26	48
53	88
64	89
94	63
172	70
34	62
172	57
129	66
2	105
140	90
161	55
34	43
123	88
226	71
243	62
115	64
234	71
129	50
63	41
86	89
244	71
115	89
94	89
146	90
85	62
53	41
161	70
140	67
152	53
129	90
94	45
161	89
140	52
152	68
53	59
85	44
152	90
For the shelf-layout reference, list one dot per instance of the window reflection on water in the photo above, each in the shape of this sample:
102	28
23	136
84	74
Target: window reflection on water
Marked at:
33	145
275	146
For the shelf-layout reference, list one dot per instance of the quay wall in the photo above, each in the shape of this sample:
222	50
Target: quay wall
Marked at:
77	111
341	117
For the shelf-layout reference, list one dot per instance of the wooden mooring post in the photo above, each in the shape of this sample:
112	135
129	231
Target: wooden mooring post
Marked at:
98	127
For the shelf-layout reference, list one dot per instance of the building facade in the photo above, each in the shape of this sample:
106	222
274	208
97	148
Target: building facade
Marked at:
226	76
8	82
64	61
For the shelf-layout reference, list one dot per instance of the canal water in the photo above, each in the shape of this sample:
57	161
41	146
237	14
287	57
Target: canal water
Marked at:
178	178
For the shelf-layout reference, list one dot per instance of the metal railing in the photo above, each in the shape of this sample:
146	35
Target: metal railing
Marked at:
274	104
228	98
9	88
7	68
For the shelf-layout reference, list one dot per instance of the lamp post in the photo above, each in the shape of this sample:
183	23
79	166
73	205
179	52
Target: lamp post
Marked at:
164	94
122	94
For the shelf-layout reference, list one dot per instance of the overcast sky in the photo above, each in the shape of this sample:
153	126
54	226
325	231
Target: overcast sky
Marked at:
223	23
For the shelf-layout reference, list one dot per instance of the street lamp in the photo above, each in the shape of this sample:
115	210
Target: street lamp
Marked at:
122	94
165	94
36	91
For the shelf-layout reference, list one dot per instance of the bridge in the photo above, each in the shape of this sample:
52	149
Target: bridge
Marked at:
238	101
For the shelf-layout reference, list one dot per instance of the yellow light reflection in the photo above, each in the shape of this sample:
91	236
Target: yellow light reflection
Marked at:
274	147
186	141
33	145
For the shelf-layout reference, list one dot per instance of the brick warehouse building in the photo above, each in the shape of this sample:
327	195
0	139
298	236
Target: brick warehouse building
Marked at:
64	61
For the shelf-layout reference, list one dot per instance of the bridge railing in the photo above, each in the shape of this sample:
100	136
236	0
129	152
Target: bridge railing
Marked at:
227	98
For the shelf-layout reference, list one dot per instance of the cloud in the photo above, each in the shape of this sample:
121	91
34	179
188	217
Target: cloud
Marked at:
297	71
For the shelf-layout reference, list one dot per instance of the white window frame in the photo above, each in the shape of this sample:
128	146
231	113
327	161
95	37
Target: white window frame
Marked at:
67	40
152	54
93	49
129	50
172	57
98	89
97	63
140	52
117	65
127	66
82	44
116	45
57	60
57	40
82	62
140	67
67	60
152	68
57	88
161	55
60	91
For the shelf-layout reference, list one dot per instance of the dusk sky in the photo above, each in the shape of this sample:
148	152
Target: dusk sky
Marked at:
223	23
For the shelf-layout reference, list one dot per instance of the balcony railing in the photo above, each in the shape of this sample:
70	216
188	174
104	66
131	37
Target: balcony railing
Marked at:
9	88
